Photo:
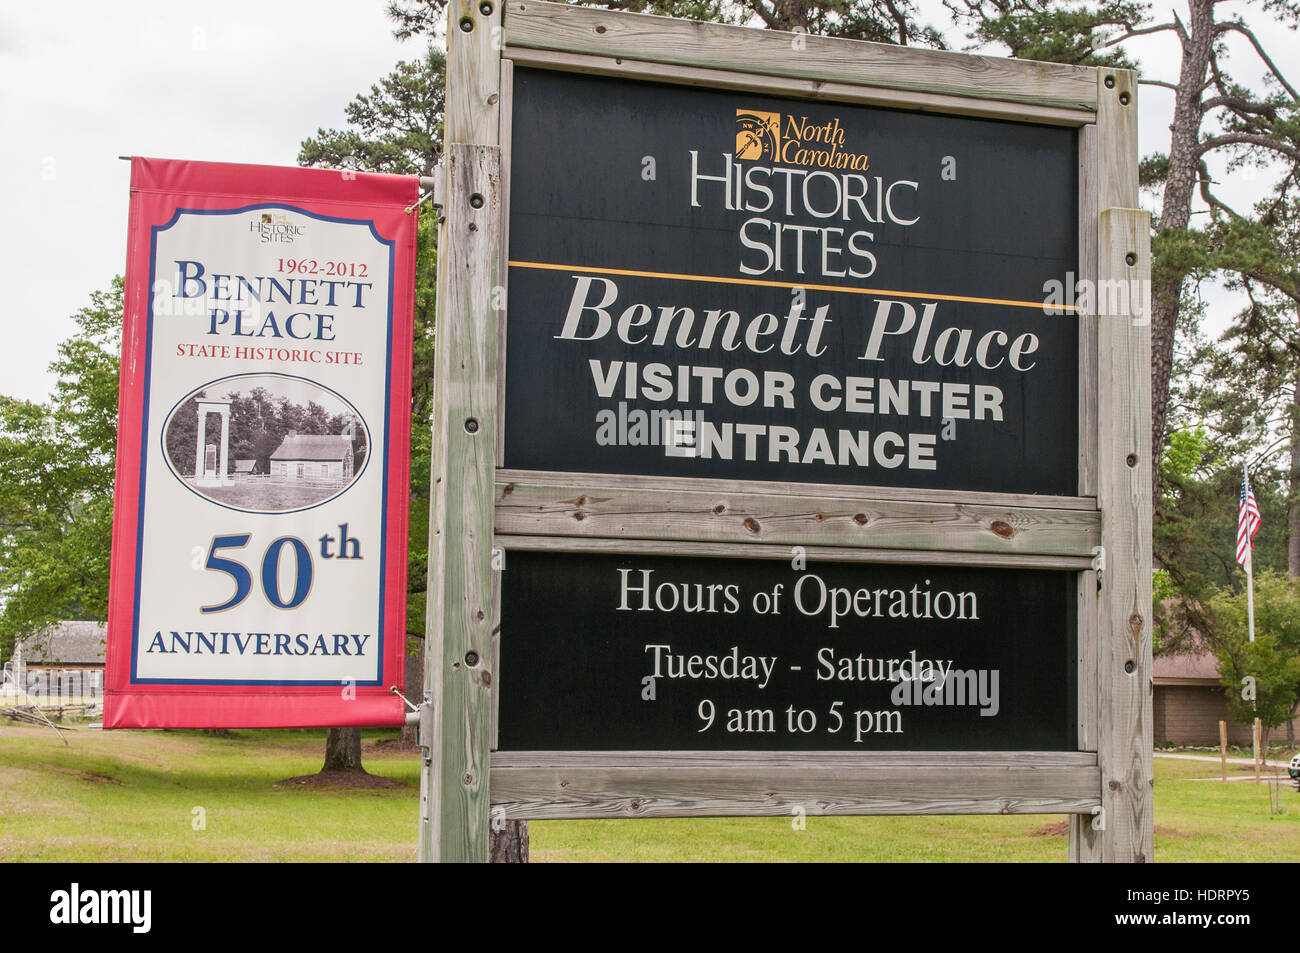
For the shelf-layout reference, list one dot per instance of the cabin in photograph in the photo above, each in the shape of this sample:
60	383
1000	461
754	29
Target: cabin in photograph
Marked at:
313	458
245	467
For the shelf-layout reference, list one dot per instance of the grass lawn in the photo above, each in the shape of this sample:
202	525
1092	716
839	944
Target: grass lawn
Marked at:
133	795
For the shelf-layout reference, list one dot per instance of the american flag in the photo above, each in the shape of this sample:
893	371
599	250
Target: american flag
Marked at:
1247	521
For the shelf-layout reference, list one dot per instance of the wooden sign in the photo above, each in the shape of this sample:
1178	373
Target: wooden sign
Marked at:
854	297
670	653
777	404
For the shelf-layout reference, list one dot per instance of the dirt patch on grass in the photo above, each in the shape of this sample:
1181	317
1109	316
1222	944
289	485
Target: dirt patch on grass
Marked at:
1054	829
93	777
1061	828
393	746
341	779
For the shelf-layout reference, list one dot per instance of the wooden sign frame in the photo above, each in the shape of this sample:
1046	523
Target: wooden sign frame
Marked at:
481	511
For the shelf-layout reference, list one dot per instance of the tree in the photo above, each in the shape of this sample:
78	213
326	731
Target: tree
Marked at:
56	501
1196	538
1241	392
343	750
395	128
1050	32
1228	405
1264	255
1212	115
1262	678
1196	383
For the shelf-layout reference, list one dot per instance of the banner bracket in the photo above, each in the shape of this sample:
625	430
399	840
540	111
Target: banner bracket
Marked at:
414	708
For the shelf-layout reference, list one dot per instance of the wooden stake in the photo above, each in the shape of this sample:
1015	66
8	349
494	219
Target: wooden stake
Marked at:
1223	748
1255	738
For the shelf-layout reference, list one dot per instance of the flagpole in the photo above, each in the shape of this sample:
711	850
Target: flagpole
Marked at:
1250	617
1250	592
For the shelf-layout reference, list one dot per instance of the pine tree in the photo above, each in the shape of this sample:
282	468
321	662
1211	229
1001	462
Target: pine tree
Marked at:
1212	115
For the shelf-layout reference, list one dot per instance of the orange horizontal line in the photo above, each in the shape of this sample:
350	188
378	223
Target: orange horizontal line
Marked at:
546	266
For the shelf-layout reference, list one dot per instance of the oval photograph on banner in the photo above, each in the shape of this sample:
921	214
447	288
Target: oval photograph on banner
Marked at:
266	443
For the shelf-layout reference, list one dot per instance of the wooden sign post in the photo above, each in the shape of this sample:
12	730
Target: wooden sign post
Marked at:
791	451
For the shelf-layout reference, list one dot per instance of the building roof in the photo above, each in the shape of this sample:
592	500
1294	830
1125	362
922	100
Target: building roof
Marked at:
313	447
1196	665
67	643
244	466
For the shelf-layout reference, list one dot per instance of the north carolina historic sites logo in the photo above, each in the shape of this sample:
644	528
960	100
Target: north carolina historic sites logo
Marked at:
276	229
794	140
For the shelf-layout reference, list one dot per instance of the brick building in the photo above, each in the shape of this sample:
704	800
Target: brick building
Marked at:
1188	702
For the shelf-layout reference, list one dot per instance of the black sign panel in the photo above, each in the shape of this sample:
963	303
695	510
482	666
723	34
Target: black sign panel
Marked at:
605	652
719	284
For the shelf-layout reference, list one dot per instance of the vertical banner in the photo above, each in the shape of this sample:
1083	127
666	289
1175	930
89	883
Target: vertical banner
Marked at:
260	521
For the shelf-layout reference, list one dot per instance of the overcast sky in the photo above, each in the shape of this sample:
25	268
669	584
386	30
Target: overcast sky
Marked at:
241	81
82	83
